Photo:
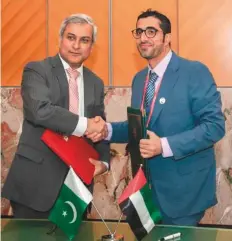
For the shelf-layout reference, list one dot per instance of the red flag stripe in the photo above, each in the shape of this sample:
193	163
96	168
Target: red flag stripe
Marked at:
134	185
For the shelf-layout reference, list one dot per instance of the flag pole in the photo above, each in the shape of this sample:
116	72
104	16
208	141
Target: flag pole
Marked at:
102	219
118	224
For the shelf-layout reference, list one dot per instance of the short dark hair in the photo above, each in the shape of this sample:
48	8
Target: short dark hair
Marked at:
165	24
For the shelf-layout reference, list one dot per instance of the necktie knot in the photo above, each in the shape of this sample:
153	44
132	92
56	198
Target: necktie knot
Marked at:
150	88
73	73
153	77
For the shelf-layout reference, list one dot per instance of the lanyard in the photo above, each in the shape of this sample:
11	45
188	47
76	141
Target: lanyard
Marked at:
153	100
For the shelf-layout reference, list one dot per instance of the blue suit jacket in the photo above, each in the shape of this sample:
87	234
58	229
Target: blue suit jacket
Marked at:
192	120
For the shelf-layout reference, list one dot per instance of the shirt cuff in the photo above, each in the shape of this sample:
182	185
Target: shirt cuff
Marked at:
81	126
110	132
106	164
167	151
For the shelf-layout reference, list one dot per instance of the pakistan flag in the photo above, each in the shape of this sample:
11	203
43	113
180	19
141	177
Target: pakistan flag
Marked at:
70	205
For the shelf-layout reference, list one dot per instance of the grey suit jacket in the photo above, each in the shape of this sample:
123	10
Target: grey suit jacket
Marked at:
37	174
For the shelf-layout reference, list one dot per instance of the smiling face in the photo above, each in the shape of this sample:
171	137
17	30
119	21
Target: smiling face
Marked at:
155	47
76	43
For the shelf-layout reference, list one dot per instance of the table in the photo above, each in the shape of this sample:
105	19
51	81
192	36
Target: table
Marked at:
36	230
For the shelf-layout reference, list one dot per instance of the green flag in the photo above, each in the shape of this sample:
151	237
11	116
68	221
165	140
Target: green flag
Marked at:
70	205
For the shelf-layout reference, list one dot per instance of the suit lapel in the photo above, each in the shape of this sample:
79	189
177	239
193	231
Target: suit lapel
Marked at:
169	79
138	89
88	91
59	72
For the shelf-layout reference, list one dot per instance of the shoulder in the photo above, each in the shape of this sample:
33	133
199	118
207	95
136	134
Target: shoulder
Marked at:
193	66
197	74
141	73
39	66
90	74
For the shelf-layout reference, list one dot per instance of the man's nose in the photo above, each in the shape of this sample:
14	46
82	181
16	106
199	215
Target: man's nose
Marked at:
143	36
76	44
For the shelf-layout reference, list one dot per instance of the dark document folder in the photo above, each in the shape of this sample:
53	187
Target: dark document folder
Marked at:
136	132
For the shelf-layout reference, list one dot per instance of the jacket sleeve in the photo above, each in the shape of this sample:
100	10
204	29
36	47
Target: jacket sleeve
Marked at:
103	147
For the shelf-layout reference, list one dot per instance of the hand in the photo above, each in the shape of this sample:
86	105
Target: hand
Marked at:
96	124
97	136
99	167
150	147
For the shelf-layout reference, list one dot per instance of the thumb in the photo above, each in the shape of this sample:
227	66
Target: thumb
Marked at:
150	134
97	119
93	161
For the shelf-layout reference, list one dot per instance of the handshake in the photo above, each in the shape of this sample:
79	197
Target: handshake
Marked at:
96	129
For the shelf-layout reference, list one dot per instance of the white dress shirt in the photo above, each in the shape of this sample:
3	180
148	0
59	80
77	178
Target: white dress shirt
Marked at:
82	123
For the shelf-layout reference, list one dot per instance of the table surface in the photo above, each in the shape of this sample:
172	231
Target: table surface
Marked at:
36	230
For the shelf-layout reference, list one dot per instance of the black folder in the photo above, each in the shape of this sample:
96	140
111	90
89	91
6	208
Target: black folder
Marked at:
136	132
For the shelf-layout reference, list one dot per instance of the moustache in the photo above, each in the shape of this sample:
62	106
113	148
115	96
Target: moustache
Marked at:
145	42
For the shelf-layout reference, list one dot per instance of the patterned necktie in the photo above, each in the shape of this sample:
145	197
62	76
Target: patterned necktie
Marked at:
73	90
150	89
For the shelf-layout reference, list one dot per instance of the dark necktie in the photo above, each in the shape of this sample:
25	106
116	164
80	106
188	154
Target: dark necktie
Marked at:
150	89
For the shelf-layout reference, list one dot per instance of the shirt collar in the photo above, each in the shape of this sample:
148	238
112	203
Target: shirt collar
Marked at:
66	66
161	67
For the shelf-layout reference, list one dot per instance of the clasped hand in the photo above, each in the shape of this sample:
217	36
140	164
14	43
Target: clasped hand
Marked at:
96	129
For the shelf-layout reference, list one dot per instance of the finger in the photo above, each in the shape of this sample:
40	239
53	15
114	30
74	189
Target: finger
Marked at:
103	126
97	138
144	151
89	132
105	133
101	168
145	142
145	155
93	161
92	135
97	119
97	172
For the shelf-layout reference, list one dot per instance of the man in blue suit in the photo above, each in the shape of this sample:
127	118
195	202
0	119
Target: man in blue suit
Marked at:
184	121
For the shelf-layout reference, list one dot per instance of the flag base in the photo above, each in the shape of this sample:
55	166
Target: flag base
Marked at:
114	237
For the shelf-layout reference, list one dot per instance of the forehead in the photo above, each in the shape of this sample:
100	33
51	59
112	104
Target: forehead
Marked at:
79	29
149	21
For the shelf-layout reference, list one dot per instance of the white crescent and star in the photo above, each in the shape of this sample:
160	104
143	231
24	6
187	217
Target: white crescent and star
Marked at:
74	211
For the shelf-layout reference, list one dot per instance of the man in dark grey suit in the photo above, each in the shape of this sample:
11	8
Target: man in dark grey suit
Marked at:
36	174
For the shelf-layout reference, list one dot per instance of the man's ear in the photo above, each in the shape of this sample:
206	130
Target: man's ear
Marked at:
60	39
167	39
92	46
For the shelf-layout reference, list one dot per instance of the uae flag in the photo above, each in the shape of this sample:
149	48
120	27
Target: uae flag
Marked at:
136	203
70	205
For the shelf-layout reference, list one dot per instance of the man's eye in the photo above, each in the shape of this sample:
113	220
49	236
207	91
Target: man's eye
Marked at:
70	37
86	41
139	31
150	31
